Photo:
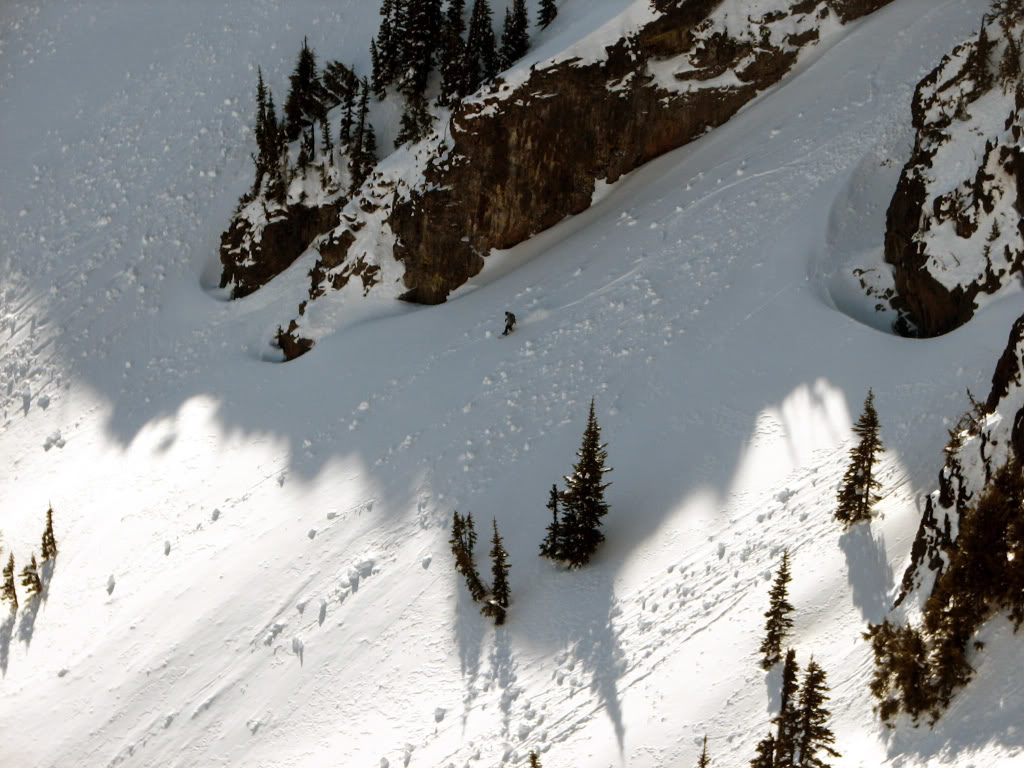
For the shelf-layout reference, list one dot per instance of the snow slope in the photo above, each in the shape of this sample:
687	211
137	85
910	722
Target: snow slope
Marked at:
254	565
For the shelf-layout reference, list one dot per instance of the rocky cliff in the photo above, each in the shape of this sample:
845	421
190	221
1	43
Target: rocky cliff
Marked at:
954	232
528	151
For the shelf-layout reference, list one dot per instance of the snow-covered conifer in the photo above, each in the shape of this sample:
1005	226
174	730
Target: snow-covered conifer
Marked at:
547	13
49	542
30	578
816	736
497	604
583	500
778	622
857	496
704	761
551	547
8	592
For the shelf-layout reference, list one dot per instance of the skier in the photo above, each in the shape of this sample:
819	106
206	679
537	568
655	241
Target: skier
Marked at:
510	322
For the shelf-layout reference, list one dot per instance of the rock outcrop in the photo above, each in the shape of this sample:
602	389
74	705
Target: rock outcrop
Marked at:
953	230
528	151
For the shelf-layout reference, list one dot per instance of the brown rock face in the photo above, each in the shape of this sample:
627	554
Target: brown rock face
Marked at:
252	258
938	278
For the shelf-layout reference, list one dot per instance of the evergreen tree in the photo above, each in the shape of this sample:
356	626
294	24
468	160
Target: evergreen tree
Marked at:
815	734
277	154
900	680
704	761
49	542
369	156
347	118
765	753
453	55
378	76
338	81
534	760
498	602
551	547
463	541
481	52
547	13
30	578
778	622
787	725
583	500
1009	64
326	141
260	159
857	496
515	38
982	72
357	154
304	105
420	45
8	592
416	120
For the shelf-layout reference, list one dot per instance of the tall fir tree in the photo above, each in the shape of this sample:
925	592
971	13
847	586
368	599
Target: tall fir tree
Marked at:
452	55
815	735
547	13
369	156
778	623
30	578
356	153
497	604
277	154
463	542
481	50
857	493
304	105
981	60
8	592
260	159
551	547
534	760
326	141
347	118
787	723
416	120
49	542
423	35
515	37
583	500
704	761
765	757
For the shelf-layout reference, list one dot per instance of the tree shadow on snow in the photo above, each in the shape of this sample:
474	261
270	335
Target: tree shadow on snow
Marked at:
590	634
6	632
469	634
503	674
27	625
868	571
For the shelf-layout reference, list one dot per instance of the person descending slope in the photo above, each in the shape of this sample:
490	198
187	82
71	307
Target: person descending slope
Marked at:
510	323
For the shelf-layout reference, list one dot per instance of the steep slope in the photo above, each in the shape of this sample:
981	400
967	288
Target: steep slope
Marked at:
254	567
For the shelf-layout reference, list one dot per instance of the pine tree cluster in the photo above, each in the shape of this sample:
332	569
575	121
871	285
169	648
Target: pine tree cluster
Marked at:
802	735
312	94
857	493
917	670
415	36
30	578
463	541
574	536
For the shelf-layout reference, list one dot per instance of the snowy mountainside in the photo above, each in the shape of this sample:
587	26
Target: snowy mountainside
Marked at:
254	566
953	234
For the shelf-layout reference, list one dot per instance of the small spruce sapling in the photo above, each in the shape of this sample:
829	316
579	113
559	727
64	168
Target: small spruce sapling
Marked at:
534	760
551	547
704	761
463	541
8	592
30	578
778	623
765	757
49	542
497	605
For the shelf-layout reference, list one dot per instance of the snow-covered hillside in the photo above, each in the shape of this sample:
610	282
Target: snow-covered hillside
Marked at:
254	567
